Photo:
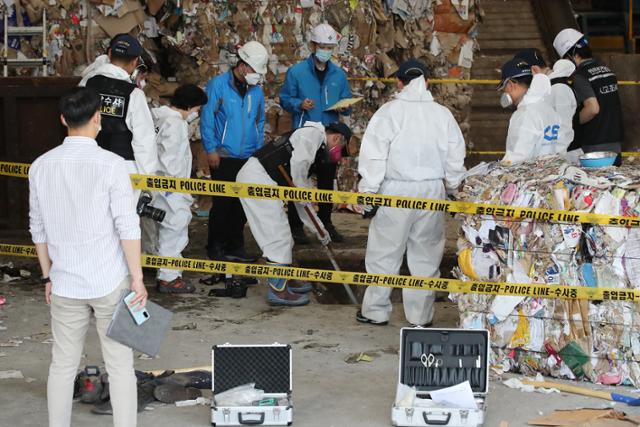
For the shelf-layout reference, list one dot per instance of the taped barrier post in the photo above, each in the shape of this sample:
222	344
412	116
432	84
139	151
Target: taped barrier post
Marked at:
235	189
367	279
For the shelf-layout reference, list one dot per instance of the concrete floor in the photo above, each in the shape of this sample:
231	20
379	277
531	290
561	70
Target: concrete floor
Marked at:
326	391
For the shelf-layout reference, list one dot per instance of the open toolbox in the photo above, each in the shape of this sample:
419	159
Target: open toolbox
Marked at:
433	359
269	367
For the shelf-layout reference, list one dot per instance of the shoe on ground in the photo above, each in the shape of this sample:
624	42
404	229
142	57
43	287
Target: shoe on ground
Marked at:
248	281
212	280
195	379
299	287
333	233
176	286
360	318
286	298
426	325
145	397
299	236
239	255
233	288
172	393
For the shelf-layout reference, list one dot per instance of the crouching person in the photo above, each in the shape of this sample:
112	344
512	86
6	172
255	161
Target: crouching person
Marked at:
175	158
87	236
267	218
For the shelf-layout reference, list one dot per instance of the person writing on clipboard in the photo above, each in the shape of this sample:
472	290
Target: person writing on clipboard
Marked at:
311	87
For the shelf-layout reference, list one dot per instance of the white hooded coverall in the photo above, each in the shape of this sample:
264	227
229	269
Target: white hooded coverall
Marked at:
140	123
534	128
412	147
563	101
267	218
174	160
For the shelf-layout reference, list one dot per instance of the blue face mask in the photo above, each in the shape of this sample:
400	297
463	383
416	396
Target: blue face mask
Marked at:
323	55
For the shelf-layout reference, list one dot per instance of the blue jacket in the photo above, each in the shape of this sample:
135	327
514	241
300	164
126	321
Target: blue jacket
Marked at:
302	82
229	124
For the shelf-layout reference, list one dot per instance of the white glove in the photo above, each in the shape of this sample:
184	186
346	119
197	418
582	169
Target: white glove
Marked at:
324	240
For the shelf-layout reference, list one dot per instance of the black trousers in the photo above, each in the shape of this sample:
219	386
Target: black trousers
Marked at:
325	173
226	217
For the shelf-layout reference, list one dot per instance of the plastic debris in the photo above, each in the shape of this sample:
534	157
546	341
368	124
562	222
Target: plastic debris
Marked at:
11	374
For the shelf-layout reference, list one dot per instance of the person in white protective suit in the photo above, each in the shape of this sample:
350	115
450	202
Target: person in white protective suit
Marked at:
174	158
562	99
267	218
131	134
412	147
127	127
534	127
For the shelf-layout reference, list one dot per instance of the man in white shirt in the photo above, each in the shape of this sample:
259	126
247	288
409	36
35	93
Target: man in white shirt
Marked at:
412	147
87	236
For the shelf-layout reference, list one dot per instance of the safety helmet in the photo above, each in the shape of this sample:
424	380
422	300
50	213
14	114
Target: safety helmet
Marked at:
565	40
325	34
256	55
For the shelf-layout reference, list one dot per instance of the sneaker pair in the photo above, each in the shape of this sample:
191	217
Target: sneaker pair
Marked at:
293	294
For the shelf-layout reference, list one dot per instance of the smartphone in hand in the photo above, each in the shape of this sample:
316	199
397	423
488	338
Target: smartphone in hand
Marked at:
140	315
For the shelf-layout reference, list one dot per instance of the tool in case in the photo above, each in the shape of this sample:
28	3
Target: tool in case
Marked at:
433	359
269	367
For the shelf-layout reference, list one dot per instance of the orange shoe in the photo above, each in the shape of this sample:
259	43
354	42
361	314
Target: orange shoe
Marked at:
176	286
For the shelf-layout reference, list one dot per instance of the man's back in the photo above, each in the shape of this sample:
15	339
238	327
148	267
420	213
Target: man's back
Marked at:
81	205
418	138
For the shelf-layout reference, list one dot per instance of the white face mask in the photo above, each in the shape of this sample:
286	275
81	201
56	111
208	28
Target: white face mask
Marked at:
192	116
142	84
253	78
505	100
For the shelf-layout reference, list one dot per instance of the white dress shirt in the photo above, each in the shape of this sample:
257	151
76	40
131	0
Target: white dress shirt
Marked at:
81	205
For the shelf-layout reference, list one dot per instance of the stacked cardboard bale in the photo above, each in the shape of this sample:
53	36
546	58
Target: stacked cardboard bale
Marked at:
199	39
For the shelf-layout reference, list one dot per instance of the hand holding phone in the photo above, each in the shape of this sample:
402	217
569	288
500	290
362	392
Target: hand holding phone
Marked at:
139	314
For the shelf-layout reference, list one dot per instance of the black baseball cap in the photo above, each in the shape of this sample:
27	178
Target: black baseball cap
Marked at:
411	69
531	56
513	69
340	128
125	45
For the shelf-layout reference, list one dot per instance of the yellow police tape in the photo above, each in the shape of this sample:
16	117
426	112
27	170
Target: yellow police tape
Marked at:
312	195
366	279
500	153
466	82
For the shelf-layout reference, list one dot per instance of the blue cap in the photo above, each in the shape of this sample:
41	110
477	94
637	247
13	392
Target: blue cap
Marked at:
531	56
411	69
125	45
512	69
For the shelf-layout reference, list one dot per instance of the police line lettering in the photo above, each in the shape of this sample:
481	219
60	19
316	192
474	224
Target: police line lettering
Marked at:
20	250
217	188
14	169
392	281
202	186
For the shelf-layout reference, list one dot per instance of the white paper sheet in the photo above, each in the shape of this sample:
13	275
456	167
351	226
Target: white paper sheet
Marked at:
458	396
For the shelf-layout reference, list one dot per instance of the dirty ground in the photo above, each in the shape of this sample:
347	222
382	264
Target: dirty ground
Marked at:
327	391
